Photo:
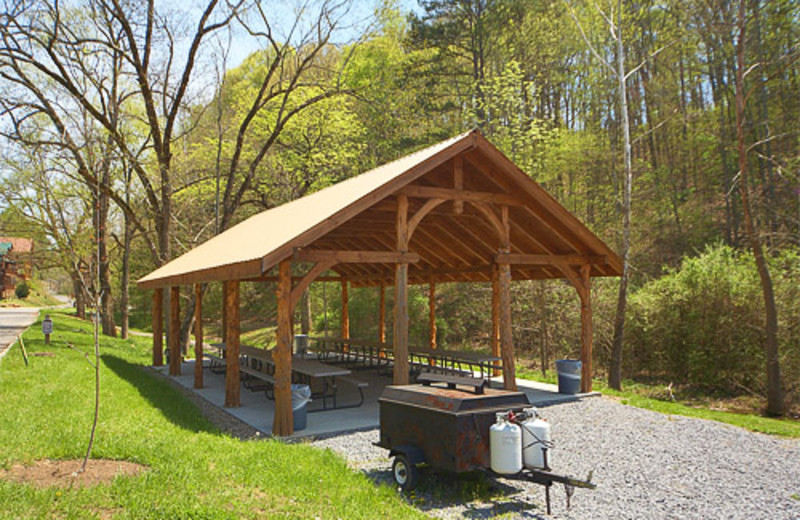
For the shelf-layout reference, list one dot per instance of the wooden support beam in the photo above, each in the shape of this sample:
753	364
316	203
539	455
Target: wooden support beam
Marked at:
430	192
458	183
345	310
586	330
506	331
295	279
382	314
506	335
582	282
432	314
283	424
174	331
520	259
492	217
158	327
311	275
420	214
224	316
198	336
231	334
356	257
495	337
401	297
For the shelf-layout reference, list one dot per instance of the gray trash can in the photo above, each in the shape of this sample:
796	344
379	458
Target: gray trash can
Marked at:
301	395
301	344
569	376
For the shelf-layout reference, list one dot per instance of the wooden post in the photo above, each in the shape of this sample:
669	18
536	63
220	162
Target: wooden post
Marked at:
432	314
174	331
583	284
158	327
345	310
585	294
401	297
198	336
232	387
506	336
224	325
282	423
506	332
382	318
496	316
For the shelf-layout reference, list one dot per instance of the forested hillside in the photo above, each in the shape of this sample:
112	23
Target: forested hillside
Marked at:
128	138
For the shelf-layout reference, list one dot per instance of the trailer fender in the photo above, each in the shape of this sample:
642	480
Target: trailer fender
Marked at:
413	453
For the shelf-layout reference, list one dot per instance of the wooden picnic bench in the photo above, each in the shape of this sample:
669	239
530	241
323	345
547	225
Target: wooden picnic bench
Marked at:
476	383
216	363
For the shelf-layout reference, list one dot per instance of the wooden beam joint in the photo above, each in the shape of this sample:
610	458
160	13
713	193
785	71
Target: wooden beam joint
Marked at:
431	192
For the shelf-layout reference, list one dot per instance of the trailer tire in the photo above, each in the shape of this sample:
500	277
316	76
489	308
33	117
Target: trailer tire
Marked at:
404	473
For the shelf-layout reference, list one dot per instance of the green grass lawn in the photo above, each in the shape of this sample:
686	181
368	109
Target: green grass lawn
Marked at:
195	471
641	396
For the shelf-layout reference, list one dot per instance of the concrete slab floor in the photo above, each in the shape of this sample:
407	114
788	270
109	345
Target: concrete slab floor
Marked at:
257	411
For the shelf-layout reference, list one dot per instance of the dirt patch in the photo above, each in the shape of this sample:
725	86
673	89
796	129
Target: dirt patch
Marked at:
64	473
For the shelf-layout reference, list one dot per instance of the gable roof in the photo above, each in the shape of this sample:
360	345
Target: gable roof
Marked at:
358	214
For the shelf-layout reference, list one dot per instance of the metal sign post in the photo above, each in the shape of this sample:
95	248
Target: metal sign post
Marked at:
47	328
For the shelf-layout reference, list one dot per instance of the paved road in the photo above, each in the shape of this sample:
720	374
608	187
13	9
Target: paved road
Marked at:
12	322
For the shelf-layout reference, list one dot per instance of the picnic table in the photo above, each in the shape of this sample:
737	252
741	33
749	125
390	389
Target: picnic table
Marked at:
373	354
258	364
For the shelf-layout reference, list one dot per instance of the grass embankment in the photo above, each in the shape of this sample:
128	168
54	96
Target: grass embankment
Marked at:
654	398
194	470
36	298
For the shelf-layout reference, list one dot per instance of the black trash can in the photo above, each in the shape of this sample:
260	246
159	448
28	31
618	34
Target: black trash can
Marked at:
569	376
301	395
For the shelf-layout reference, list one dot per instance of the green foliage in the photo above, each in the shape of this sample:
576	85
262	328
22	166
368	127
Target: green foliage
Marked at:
192	470
22	290
703	323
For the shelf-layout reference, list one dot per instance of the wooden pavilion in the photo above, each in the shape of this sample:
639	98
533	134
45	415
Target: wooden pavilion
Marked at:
458	211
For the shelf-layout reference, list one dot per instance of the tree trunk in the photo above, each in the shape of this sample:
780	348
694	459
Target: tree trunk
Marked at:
774	391
615	371
106	298
80	300
126	277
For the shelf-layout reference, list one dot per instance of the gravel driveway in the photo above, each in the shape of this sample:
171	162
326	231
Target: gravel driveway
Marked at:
646	465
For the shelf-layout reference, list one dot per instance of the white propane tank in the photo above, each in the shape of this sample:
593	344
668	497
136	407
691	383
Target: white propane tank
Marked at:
505	446
535	437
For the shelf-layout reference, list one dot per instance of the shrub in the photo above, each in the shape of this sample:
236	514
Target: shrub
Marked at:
703	323
22	290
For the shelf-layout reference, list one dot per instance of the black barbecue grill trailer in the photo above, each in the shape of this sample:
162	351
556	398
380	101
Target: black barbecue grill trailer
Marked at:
447	428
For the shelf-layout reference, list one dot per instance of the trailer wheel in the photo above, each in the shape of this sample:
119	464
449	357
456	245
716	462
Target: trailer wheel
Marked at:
404	473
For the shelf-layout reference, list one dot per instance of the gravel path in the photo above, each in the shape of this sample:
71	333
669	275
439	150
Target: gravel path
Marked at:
646	465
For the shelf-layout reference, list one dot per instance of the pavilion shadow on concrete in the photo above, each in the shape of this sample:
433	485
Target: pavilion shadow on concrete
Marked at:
458	211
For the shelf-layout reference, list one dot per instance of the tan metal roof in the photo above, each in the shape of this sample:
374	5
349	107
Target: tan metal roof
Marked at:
358	215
